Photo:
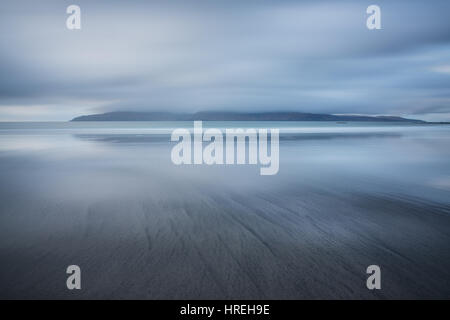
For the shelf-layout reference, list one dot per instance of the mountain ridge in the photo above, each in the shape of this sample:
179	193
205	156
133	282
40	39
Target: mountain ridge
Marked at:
234	116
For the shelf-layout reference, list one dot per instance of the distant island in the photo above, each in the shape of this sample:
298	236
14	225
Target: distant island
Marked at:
234	116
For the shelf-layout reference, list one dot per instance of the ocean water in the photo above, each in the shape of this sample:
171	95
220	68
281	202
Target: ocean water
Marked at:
107	197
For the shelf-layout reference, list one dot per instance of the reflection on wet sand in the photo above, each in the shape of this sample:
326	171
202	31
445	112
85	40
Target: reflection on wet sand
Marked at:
141	227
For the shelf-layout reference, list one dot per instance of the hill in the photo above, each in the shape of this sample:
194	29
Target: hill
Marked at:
233	116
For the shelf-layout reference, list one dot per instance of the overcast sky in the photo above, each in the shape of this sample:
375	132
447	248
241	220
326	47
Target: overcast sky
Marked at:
246	55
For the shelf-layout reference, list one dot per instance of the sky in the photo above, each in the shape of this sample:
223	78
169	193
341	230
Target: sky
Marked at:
224	55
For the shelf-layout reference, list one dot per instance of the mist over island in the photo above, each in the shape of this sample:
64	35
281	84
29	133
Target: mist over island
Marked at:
235	116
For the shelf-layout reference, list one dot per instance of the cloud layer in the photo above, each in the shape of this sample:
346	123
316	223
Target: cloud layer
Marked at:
195	55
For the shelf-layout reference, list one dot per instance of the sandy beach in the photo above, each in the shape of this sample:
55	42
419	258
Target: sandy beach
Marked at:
141	228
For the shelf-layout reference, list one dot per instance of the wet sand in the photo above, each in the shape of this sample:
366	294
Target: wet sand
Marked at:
142	228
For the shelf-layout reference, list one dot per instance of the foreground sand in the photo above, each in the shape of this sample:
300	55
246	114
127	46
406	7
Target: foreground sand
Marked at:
141	228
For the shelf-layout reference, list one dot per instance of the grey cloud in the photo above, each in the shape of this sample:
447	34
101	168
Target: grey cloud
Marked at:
314	56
